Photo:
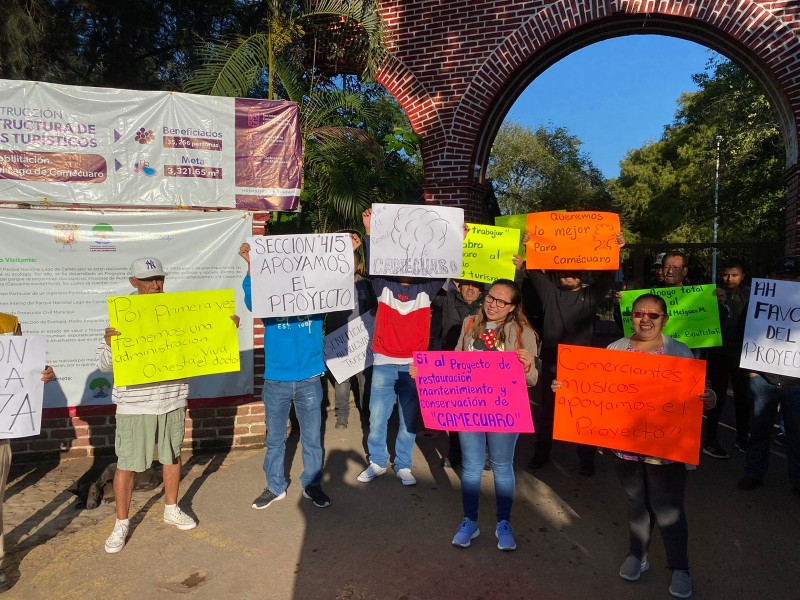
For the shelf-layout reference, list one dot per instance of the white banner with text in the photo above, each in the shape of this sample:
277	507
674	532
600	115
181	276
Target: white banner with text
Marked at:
102	146
59	267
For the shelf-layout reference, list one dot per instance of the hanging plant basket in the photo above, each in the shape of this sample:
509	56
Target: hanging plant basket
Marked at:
337	45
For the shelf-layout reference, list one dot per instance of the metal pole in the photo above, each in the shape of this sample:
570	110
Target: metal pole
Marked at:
716	216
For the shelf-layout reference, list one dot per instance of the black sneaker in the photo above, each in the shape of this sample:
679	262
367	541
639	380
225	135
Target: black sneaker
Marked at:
714	450
266	498
317	496
780	440
741	446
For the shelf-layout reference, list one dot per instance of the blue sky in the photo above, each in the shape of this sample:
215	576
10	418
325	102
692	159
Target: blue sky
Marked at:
614	95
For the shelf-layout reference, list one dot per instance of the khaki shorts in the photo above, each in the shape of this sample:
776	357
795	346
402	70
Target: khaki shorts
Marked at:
137	435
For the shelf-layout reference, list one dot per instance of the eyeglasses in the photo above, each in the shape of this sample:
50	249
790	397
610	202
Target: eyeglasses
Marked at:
489	299
640	314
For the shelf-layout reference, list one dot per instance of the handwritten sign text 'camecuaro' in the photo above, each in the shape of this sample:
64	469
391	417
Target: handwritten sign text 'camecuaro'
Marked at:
473	391
631	401
573	241
172	336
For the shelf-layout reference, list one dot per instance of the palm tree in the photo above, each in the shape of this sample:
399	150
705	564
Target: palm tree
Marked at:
292	57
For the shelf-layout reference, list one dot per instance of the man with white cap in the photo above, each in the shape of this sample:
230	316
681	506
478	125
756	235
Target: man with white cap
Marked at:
147	414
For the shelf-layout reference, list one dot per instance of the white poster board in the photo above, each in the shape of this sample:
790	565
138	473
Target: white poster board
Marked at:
104	146
348	350
60	266
416	240
22	360
772	329
305	274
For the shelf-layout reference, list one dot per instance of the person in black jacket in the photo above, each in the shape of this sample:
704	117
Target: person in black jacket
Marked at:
365	301
569	310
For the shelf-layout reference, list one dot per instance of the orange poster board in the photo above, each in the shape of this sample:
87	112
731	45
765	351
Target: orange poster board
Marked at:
573	241
636	402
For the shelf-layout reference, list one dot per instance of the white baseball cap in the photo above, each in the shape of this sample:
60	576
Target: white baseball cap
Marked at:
144	268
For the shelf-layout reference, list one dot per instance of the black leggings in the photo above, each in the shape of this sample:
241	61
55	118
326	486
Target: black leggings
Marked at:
655	495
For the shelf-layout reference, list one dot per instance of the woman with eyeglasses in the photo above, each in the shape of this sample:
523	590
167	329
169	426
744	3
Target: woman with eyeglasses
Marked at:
655	486
499	325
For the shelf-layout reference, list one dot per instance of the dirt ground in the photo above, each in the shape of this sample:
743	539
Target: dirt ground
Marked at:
382	540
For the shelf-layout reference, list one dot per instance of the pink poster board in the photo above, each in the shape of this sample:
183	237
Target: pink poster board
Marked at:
473	391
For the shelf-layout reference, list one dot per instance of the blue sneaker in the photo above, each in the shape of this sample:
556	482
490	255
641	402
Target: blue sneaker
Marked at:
467	531
505	536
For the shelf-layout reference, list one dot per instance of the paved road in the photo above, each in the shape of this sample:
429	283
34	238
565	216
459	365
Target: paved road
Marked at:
384	541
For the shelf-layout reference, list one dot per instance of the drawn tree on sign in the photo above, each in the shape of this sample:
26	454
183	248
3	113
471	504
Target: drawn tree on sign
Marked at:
419	231
603	236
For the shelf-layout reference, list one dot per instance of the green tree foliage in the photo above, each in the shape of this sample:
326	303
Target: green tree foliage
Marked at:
20	32
354	158
544	170
665	191
357	145
138	44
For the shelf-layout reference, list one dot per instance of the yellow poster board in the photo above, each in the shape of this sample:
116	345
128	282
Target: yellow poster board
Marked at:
172	336
488	253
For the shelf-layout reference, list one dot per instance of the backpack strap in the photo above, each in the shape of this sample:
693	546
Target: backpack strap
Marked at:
470	322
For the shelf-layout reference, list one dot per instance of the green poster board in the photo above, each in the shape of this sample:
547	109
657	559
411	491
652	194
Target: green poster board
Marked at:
514	222
693	314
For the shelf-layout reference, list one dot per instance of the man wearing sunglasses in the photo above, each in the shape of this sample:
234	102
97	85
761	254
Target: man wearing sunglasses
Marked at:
569	309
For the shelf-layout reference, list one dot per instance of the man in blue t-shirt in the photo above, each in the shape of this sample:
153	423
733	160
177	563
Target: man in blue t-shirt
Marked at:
293	366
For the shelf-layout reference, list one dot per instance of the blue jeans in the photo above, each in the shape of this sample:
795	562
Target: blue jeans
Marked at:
501	458
307	397
765	399
390	383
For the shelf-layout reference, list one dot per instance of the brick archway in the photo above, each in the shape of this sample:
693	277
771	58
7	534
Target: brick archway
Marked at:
458	66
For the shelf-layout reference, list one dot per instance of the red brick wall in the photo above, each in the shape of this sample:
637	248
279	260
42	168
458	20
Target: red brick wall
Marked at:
458	65
793	212
207	428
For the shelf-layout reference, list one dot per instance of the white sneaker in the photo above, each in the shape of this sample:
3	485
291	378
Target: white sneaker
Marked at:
406	477
173	515
371	472
116	541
